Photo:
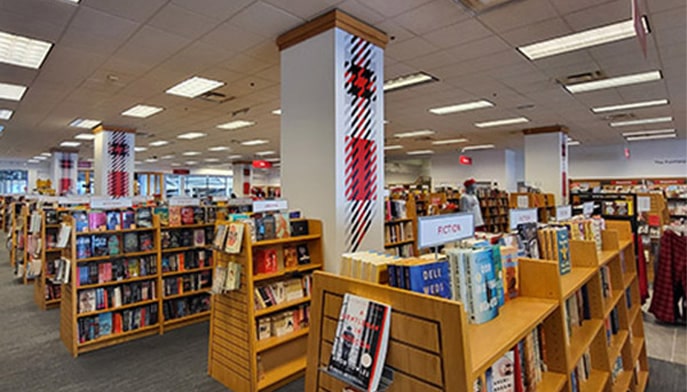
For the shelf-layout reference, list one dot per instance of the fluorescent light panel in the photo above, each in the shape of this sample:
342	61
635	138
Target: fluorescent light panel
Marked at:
264	153
505	121
462	107
408	81
420	152
617	81
142	111
6	114
151	160
191	135
191	163
218	148
85	136
583	39
211	160
644	133
191	153
478	147
449	141
232	157
255	142
70	144
167	156
84	123
40	157
641	121
33	161
421	132
236	124
651	137
573	143
12	92
158	143
193	87
46	154
276	112
627	106
140	149
393	147
23	51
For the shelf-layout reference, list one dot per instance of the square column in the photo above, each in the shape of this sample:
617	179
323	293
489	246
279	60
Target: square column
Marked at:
114	158
332	130
546	160
242	178
64	170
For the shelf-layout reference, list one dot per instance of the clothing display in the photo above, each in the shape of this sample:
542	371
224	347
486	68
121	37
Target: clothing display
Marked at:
670	282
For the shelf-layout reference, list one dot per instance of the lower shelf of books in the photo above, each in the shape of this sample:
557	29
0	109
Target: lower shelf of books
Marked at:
114	339
582	337
595	383
283	373
186	320
551	382
617	342
622	382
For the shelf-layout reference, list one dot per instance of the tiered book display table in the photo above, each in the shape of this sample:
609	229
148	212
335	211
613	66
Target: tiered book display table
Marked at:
236	357
432	347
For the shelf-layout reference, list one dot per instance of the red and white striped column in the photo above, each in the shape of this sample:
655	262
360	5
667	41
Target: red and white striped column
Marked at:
64	171
114	161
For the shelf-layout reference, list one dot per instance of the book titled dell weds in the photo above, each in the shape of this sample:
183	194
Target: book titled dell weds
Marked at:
361	342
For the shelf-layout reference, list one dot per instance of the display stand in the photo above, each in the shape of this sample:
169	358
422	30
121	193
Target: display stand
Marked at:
236	358
47	294
433	348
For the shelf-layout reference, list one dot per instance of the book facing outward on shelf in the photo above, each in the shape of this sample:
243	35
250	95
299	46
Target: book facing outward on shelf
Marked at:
361	342
220	237
63	236
234	238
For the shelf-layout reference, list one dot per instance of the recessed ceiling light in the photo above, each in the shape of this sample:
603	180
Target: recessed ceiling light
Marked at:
634	105
449	141
191	163
232	157
273	160
478	147
255	142
462	107
70	144
40	157
167	156
572	142
12	92
89	160
85	136
653	132
211	160
193	87
33	161
641	121
158	143
386	122
583	39
23	51
191	135
236	124
651	137
46	154
276	112
393	147
142	111
190	153
617	81
421	132
151	160
218	148
138	162
140	149
264	153
498	123
84	123
408	81
6	114
420	152
74	1
175	164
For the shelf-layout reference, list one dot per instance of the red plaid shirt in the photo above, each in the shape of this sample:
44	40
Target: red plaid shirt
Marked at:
671	275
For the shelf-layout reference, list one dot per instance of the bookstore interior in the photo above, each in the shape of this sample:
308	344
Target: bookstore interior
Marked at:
343	195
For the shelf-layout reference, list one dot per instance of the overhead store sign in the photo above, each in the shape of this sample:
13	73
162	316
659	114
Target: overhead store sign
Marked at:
260	164
522	215
465	160
441	229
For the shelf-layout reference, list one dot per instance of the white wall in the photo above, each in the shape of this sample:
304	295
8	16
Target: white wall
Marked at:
658	158
267	177
487	165
405	172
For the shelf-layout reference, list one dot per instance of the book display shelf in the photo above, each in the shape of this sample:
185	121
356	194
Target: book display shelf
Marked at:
544	202
250	347
432	346
494	206
400	233
47	294
17	227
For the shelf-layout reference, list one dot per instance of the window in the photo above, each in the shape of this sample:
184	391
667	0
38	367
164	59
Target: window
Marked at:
14	181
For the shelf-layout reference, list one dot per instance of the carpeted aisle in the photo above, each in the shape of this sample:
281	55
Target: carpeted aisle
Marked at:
666	376
32	357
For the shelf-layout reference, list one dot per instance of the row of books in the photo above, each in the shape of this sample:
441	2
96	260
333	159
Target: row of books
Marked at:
606	284
398	232
186	215
284	323
227	278
52	291
283	291
395	209
96	220
406	250
183	238
520	369
187	283
115	296
577	309
582	371
367	265
116	270
271	260
112	323
187	306
188	260
98	245
611	326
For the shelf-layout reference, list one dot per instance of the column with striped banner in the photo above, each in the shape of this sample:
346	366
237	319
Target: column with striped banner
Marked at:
64	172
114	161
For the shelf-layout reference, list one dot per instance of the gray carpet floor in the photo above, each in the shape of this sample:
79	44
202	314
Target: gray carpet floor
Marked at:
666	376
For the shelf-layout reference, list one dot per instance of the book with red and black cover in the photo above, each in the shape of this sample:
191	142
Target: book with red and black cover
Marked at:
266	261
187	216
361	342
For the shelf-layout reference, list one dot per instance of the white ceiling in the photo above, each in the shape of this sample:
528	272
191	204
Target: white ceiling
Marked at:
149	46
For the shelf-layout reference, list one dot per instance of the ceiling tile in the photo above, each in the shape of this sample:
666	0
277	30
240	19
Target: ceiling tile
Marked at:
536	32
150	46
457	34
180	21
266	20
360	10
408	49
393	8
431	16
232	38
601	15
135	10
306	9
517	14
216	9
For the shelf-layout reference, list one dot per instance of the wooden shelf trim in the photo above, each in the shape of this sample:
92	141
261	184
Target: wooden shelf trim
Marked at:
617	342
187	318
279	274
119	335
118	308
118	256
189	271
266	344
186	248
187	294
622	382
282	306
193	226
117	282
575	279
122	231
287	240
581	339
551	382
611	302
399	220
596	382
399	243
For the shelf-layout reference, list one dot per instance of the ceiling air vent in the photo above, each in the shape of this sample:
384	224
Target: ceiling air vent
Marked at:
620	117
215	97
480	6
582	78
144	134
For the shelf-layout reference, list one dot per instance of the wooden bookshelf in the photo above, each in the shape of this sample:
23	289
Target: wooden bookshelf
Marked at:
494	205
17	227
402	232
236	358
544	202
43	284
427	360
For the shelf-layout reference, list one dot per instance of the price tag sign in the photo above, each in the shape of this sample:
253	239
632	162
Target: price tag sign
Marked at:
141	199
184	201
522	215
523	201
108	203
270	205
588	208
643	204
441	229
74	200
563	213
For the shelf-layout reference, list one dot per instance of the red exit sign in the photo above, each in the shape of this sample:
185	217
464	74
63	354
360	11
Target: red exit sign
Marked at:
181	171
465	160
259	164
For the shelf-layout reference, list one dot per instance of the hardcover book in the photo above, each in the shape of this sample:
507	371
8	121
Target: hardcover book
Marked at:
282	226
145	242
97	220
500	376
87	301
144	217
104	324
361	342
270	225
563	248
175	216
303	254
187	216
266	261
114	220
198	215
163	214
299	227
290	257
80	221
129	219
130	242
427	277
113	245
199	237
527	237
482	286
234	238
83	247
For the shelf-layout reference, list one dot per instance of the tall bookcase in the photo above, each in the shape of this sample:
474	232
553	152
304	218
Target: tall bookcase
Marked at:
236	358
47	294
494	206
402	232
17	226
428	358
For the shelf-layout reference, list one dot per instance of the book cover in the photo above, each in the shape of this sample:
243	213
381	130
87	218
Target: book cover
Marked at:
501	376
211	214
87	301
282	226
114	220
199	237
303	254
430	278
499	273
163	214
220	236
144	217
187	216
266	261
113	245
259	228
129	219
270	225
234	238
509	257
174	215
483	292
563	249
104	324
218	280
83	247
130	242
145	242
80	221
198	215
97	220
527	238
290	257
361	342
299	227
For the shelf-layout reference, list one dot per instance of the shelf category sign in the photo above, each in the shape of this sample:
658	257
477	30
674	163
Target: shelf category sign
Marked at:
184	201
522	215
441	229
523	201
241	201
270	205
109	203
73	200
643	203
563	213
588	208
